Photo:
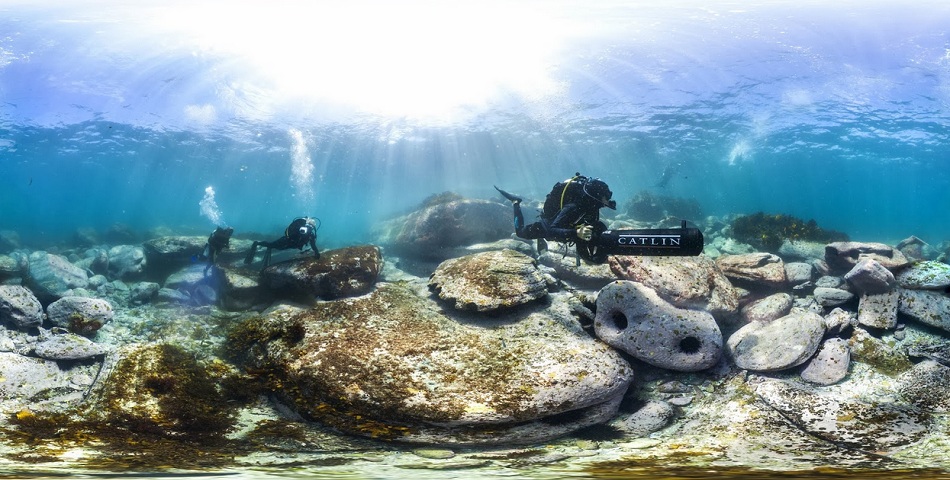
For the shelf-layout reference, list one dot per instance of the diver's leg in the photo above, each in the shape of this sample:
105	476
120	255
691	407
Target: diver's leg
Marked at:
266	258
250	254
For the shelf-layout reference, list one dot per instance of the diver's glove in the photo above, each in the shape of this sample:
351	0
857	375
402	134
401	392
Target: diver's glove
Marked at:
585	232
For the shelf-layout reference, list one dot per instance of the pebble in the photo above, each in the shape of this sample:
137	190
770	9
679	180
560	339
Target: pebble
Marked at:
434	453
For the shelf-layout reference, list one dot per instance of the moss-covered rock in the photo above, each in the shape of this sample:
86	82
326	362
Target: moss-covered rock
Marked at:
389	365
767	232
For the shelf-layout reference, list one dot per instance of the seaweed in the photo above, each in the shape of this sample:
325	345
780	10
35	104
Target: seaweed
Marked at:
767	232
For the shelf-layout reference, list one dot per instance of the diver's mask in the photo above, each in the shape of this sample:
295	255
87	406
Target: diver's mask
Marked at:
598	190
303	230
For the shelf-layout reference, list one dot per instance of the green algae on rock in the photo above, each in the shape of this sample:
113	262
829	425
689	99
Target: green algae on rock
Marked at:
389	365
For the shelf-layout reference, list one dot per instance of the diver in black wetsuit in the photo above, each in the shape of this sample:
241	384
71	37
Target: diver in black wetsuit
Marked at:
299	233
220	239
571	214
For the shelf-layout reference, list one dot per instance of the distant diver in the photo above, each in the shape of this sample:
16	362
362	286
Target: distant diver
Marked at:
300	232
220	239
668	174
571	214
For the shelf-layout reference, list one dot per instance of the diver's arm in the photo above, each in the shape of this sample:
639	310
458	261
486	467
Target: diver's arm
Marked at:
562	228
313	246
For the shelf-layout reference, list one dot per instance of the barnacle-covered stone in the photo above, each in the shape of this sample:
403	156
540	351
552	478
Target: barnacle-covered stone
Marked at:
489	281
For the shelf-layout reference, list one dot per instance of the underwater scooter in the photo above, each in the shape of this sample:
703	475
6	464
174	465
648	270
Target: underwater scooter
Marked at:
686	241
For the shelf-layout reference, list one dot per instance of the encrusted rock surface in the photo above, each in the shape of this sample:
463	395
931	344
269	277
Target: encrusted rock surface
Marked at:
20	307
759	268
345	272
81	315
390	365
687	282
489	281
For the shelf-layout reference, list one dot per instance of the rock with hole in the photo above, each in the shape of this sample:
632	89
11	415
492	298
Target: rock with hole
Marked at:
633	318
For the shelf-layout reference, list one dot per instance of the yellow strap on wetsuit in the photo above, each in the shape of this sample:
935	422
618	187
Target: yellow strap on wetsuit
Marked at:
567	183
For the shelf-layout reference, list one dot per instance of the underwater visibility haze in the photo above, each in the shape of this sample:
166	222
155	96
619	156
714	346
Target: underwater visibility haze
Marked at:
170	118
118	112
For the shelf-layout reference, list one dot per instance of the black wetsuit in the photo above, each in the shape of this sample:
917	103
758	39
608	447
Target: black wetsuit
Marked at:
563	226
219	239
297	235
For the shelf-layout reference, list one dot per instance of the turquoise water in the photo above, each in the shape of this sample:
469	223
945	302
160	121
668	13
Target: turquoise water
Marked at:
183	115
114	113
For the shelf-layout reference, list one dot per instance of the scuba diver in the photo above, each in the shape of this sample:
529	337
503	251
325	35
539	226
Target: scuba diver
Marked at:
299	233
219	239
571	214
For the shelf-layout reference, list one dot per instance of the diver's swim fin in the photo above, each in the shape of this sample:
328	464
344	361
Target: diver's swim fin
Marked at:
507	195
542	246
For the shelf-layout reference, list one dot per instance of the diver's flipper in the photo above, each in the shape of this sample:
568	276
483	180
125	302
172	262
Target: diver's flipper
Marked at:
250	255
510	197
542	246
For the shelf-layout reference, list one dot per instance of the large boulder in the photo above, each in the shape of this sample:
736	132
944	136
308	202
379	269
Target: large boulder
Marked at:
20	307
871	427
633	318
756	269
126	261
927	275
926	306
345	272
489	281
779	344
687	282
435	230
843	256
51	276
81	315
170	253
390	365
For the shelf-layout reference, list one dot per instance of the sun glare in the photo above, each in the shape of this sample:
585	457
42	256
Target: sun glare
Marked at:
415	58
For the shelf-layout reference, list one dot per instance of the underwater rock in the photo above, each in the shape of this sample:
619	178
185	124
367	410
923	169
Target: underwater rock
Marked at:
759	268
580	274
390	365
143	292
927	275
869	276
877	353
832	297
190	281
633	318
843	256
916	249
68	346
10	267
849	423
687	282
801	250
489	281
830	365
436	229
799	272
162	391
81	315
777	345
926	385
838	320
96	260
879	310
238	292
50	276
170	253
34	383
926	306
652	416
126	261
20	307
9	241
345	272
767	309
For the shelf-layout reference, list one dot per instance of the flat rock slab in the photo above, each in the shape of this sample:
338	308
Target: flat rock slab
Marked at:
489	281
865	426
777	345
